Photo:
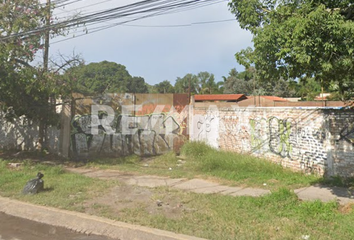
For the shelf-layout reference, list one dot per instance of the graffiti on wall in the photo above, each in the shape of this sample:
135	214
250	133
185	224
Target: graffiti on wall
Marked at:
294	141
286	139
145	129
206	127
347	134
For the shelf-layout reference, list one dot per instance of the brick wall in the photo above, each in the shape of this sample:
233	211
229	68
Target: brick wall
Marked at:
308	139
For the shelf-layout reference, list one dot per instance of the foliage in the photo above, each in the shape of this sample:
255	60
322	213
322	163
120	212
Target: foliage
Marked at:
104	77
202	83
308	89
241	168
207	83
58	185
189	83
279	215
164	87
247	83
299	39
24	89
137	85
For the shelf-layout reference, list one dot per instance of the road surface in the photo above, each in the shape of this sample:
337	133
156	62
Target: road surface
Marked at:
14	228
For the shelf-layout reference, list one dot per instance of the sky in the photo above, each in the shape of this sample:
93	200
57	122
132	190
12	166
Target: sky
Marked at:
155	50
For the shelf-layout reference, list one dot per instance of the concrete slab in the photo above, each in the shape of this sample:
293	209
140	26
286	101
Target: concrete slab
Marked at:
231	190
195	184
325	194
209	190
252	192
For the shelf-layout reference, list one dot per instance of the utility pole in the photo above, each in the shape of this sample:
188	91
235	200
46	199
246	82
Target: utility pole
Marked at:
42	124
46	38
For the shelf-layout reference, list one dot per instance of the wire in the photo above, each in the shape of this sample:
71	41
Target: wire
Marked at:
179	25
148	7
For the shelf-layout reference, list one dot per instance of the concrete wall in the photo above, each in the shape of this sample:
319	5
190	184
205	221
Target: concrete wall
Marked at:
307	139
22	134
143	124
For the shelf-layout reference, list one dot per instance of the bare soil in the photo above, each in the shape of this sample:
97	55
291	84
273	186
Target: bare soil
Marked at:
125	198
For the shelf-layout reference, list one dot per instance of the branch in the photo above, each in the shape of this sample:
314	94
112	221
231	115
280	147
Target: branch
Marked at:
23	63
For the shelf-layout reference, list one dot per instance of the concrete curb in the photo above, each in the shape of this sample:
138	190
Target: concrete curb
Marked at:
85	223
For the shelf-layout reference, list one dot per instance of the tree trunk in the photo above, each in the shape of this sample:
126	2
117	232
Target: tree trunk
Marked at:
41	135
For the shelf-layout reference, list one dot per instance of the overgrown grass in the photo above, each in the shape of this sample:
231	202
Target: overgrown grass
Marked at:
243	169
202	161
279	215
62	189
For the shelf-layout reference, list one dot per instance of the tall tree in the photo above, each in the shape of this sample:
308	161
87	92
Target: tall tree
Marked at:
25	89
164	87
237	83
137	85
207	84
105	77
299	39
188	84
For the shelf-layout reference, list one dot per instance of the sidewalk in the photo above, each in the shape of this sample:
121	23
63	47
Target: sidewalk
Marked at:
84	223
322	193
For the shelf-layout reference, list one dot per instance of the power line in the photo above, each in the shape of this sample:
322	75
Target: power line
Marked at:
146	8
142	7
124	23
179	25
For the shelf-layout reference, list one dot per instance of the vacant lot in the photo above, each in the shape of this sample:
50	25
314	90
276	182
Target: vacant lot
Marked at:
279	215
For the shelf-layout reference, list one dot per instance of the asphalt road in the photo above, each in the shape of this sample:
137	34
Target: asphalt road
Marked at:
14	228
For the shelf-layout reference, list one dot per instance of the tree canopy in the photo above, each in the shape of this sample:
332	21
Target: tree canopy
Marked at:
164	87
104	77
202	83
24	89
299	40
247	83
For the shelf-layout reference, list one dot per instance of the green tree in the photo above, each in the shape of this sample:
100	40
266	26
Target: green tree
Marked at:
207	84
189	83
164	87
308	89
105	77
25	89
137	85
238	83
299	39
246	82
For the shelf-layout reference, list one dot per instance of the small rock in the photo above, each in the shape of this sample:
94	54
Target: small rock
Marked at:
146	165
170	169
14	165
264	184
159	203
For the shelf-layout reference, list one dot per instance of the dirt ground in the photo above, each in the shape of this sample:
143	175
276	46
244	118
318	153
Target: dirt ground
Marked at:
129	198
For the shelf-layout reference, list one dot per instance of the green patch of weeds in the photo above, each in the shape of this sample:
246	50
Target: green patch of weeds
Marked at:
61	189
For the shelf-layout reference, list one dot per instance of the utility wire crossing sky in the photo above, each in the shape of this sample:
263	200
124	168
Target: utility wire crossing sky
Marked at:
155	39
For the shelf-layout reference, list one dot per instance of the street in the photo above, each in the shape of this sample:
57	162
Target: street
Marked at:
14	228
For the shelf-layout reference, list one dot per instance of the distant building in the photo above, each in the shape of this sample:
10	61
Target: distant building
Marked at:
262	101
322	97
220	98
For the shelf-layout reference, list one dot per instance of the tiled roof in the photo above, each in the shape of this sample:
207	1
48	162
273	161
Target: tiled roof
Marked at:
219	97
272	98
